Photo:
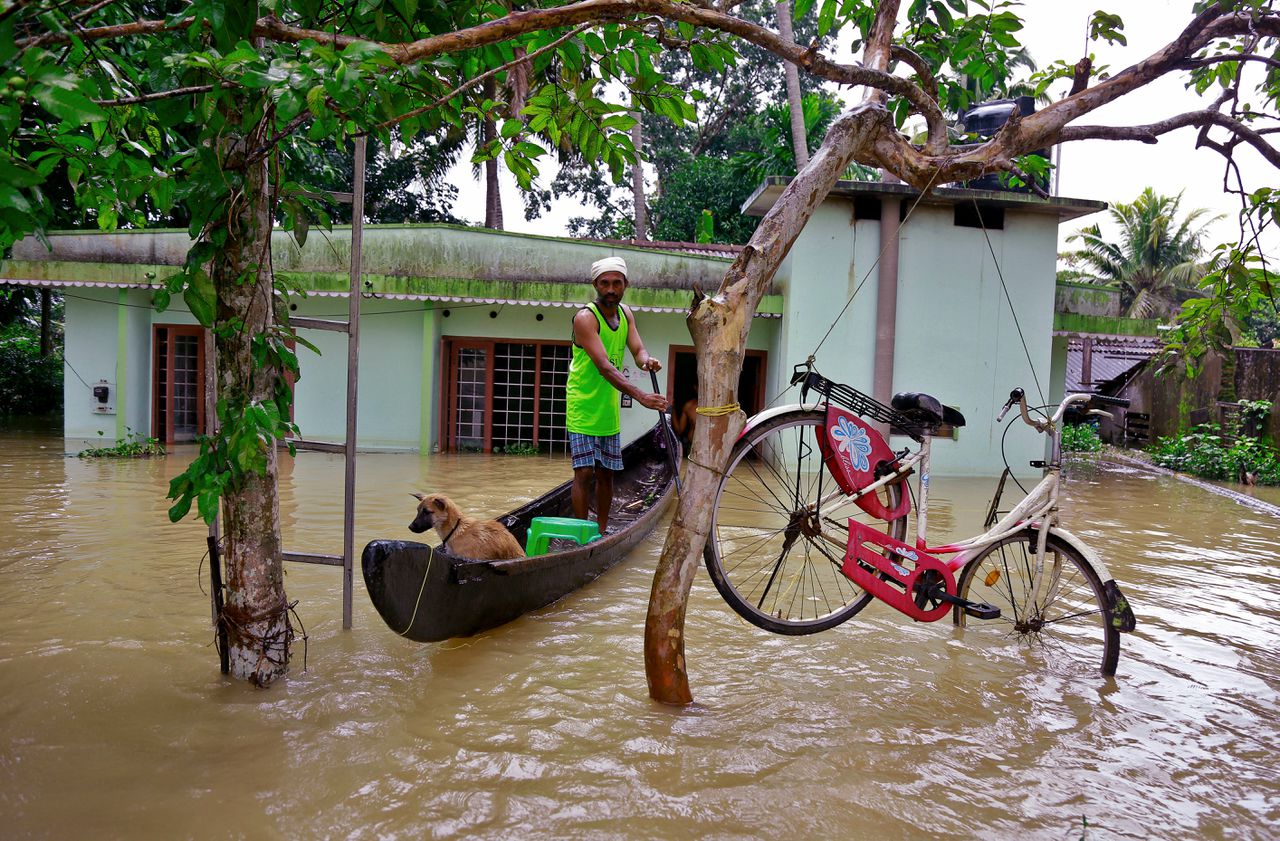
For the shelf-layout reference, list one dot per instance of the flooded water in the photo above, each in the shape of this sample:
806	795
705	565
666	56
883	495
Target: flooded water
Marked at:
114	721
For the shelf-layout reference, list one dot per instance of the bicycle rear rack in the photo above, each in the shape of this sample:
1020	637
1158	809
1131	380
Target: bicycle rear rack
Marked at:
855	401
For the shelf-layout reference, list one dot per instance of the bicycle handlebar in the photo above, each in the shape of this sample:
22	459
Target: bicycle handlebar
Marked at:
1019	397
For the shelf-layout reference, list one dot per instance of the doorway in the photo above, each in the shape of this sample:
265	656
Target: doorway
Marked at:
177	376
682	381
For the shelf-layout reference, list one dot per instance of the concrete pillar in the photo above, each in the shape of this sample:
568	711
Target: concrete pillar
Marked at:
886	300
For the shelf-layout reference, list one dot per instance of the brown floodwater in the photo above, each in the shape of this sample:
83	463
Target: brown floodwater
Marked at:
115	723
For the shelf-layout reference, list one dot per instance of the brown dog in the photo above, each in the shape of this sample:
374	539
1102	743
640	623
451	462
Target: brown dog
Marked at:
466	537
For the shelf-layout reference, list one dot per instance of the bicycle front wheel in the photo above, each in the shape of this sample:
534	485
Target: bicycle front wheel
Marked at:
1071	626
776	545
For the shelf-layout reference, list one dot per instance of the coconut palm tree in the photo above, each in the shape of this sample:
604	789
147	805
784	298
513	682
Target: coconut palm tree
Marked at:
1156	259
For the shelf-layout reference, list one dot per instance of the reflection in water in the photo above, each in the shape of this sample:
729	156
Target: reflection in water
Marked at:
116	723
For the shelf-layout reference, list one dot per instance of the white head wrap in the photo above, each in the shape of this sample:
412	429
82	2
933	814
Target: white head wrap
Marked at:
608	264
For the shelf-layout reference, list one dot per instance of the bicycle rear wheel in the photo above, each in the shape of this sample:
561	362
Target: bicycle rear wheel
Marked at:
1072	627
775	550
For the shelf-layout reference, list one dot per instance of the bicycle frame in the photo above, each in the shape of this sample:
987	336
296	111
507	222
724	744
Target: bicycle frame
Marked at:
869	560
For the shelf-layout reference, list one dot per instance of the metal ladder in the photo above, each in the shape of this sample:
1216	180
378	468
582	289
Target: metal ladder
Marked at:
348	448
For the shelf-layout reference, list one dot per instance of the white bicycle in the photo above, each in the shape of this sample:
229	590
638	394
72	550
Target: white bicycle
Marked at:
811	517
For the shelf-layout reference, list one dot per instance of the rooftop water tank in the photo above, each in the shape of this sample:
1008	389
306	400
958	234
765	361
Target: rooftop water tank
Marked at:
984	120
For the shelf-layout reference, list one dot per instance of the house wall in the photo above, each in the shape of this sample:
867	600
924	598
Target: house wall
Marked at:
1087	299
400	370
956	336
112	342
660	331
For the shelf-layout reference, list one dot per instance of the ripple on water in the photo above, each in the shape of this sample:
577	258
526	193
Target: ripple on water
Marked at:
543	729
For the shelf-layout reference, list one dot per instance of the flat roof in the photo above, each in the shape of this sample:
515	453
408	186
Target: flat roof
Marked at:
1065	209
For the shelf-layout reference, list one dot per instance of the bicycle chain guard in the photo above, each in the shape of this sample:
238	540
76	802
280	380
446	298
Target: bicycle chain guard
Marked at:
872	554
856	455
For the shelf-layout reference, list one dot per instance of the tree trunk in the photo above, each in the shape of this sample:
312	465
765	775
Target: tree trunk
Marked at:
492	196
256	612
46	323
799	138
719	326
637	180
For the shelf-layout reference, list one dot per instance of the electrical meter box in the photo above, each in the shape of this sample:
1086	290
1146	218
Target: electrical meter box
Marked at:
103	401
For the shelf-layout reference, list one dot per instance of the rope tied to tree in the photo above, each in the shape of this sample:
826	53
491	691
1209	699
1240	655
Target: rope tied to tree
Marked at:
691	460
718	411
273	645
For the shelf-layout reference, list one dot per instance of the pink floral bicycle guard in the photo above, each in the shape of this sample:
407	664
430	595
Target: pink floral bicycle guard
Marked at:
852	452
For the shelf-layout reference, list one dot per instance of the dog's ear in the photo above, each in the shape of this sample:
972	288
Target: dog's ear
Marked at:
416	495
438	503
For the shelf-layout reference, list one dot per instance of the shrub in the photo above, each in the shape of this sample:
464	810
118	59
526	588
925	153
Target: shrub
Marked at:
1080	438
29	384
1204	452
133	445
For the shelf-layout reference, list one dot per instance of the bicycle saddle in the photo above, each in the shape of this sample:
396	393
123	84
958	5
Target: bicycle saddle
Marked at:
926	409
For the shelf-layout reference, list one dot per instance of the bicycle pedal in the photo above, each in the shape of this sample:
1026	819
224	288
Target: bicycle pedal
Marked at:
982	610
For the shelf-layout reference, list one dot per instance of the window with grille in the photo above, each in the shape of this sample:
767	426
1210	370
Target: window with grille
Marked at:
505	396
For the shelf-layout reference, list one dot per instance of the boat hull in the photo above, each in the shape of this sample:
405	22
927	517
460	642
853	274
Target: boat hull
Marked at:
426	594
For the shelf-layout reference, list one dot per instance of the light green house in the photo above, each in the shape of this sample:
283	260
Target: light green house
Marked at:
465	332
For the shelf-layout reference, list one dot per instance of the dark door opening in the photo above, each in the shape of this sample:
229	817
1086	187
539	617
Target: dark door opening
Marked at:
682	382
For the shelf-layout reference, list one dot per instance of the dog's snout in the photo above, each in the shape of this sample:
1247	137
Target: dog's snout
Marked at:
421	523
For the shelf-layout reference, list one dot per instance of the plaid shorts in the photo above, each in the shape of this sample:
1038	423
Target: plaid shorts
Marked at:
588	449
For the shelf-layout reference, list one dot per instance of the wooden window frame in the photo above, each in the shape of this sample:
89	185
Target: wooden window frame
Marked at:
448	411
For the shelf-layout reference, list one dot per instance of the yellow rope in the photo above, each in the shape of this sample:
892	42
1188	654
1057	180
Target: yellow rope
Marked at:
718	411
430	558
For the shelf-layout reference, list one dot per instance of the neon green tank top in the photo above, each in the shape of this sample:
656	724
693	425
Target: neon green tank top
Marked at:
592	405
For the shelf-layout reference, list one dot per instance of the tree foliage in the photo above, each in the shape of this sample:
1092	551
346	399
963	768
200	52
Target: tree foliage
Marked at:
1156	257
704	184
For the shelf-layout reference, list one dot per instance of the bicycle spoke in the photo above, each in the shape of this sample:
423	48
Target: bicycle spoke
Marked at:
776	548
1072	625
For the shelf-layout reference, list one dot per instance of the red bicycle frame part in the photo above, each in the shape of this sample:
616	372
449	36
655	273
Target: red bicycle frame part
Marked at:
869	550
854	453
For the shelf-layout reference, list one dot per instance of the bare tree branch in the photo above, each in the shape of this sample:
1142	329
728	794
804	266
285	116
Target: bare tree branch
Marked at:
1192	63
928	83
153	97
100	33
1150	133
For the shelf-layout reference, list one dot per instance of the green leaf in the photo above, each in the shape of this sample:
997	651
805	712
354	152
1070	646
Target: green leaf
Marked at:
208	505
179	509
200	297
826	16
69	105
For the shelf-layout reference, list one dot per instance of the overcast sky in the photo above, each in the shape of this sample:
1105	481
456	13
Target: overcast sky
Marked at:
1105	170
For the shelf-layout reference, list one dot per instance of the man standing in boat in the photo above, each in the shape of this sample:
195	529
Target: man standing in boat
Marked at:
602	330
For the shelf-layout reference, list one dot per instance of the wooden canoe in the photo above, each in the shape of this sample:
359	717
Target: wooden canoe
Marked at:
426	594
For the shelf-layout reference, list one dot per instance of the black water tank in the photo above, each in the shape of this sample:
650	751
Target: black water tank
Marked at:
984	120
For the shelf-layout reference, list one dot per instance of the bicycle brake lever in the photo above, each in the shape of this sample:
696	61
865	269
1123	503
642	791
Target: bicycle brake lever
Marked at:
1015	396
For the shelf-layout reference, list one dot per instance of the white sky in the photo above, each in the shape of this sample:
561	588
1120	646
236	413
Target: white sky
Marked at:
1105	170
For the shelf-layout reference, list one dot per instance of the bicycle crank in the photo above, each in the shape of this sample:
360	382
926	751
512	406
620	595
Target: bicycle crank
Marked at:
978	610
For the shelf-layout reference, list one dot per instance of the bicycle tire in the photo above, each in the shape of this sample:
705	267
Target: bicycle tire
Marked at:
1075	623
787	588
